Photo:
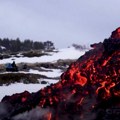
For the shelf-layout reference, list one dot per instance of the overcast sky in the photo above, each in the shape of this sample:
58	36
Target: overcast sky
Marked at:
62	21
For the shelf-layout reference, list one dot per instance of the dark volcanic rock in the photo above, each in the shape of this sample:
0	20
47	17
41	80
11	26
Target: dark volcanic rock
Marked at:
116	34
88	90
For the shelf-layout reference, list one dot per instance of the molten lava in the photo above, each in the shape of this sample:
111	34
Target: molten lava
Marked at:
89	85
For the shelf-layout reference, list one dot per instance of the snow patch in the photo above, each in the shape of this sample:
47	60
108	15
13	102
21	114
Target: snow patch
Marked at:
52	73
66	53
21	87
2	47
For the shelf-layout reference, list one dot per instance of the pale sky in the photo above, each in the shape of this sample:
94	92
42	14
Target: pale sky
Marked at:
62	21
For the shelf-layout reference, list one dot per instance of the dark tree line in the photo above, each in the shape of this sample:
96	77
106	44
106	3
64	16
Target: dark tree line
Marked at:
16	45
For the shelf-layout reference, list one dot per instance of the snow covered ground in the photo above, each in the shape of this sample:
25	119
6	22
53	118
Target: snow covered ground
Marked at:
49	72
66	53
21	87
52	73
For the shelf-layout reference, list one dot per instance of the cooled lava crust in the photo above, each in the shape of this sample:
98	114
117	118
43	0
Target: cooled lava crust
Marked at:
88	90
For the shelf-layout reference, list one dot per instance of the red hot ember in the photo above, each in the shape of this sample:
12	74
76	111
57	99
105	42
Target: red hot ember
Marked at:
89	89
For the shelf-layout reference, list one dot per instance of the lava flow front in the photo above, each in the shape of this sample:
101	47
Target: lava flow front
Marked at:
88	90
